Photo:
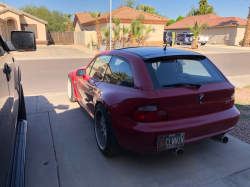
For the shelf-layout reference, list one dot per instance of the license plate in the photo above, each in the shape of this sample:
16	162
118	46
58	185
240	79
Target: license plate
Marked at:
170	141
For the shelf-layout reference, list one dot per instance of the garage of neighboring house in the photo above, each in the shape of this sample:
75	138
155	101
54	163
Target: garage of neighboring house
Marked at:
12	19
85	22
221	30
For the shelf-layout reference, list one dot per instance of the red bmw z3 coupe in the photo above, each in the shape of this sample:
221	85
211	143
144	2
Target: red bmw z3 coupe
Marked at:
149	99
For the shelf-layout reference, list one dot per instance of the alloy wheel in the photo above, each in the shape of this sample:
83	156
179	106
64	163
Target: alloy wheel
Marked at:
100	129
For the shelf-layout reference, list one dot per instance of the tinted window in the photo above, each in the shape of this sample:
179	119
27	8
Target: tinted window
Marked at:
99	67
173	71
169	34
119	72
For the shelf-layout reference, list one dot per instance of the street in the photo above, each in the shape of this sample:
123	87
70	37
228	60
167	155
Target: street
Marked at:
61	148
50	75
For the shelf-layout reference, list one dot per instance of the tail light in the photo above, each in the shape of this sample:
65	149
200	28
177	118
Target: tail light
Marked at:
229	103
185	37
198	38
166	37
149	114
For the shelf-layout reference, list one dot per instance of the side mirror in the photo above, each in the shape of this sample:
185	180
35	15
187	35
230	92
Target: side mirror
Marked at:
23	40
80	72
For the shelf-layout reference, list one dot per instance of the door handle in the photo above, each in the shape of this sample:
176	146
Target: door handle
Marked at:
7	71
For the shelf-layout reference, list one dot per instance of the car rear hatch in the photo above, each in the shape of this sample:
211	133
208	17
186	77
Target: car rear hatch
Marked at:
189	86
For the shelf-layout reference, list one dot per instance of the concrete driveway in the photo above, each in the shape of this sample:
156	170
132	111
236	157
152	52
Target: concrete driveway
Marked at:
62	151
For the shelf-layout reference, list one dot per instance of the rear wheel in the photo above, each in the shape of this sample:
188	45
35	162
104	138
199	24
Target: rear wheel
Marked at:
203	43
71	93
104	133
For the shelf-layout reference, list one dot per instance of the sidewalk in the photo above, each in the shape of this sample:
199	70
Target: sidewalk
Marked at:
56	52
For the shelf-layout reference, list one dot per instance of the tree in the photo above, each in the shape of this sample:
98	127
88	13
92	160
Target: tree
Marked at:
68	17
116	28
192	12
54	18
196	30
148	30
128	3
146	8
205	8
172	21
96	16
246	39
179	18
124	32
137	27
106	33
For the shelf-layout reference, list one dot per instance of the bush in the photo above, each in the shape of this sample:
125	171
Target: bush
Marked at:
240	42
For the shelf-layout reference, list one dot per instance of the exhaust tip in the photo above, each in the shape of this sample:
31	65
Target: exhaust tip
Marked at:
224	139
179	151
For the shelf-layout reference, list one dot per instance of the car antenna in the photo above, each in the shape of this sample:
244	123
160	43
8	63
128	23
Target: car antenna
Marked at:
165	47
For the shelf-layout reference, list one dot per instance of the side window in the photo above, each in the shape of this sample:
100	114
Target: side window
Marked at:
90	67
119	72
100	66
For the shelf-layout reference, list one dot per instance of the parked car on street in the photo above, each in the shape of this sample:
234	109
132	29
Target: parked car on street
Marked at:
188	38
13	120
184	38
167	37
202	39
150	99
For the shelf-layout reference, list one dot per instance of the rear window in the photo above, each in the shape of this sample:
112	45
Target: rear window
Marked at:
181	70
169	33
188	35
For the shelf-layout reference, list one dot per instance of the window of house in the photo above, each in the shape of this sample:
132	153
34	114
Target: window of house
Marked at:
32	28
119	72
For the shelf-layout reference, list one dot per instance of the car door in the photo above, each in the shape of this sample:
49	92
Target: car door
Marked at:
87	84
7	124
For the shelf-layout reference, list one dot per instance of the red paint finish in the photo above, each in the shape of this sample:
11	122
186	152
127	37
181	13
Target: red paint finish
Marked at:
185	112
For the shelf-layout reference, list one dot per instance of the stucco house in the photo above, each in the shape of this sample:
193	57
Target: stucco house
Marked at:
85	22
14	19
221	30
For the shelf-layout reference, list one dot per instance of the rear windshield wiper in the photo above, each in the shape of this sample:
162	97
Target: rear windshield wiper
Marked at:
181	85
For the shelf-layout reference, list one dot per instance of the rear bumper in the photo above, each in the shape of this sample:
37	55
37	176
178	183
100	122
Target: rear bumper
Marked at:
142	137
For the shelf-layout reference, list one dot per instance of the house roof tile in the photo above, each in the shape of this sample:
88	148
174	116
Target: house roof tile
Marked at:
125	14
212	20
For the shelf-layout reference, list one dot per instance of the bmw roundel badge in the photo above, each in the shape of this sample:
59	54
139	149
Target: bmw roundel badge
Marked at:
201	96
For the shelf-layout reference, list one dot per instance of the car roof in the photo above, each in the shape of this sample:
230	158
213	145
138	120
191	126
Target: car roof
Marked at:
154	52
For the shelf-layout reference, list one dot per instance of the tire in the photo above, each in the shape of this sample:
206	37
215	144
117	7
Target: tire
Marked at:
104	133
71	93
21	108
180	42
203	43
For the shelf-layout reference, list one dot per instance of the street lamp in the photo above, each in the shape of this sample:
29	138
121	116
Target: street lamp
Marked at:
110	22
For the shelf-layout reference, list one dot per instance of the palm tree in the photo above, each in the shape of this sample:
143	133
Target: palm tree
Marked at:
137	27
65	24
68	17
196	30
148	30
106	33
96	16
116	29
124	32
246	39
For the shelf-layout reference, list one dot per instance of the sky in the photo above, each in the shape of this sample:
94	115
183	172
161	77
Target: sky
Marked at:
171	8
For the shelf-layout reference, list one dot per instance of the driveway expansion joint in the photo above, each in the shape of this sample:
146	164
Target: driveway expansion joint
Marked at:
53	143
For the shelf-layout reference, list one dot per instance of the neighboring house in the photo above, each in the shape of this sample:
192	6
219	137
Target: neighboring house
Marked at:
221	30
12	19
85	22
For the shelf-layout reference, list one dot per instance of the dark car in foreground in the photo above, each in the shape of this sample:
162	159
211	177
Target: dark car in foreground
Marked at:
147	99
13	121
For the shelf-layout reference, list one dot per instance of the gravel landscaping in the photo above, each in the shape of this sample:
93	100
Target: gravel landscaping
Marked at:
242	102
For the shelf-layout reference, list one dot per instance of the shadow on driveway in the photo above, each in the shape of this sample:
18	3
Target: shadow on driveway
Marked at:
62	151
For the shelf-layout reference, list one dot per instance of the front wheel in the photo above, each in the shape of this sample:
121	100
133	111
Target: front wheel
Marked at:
104	133
71	93
203	43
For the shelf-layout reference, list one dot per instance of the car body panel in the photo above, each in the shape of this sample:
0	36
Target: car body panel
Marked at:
142	137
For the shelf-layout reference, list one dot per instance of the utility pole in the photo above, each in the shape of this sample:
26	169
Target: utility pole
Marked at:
110	23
